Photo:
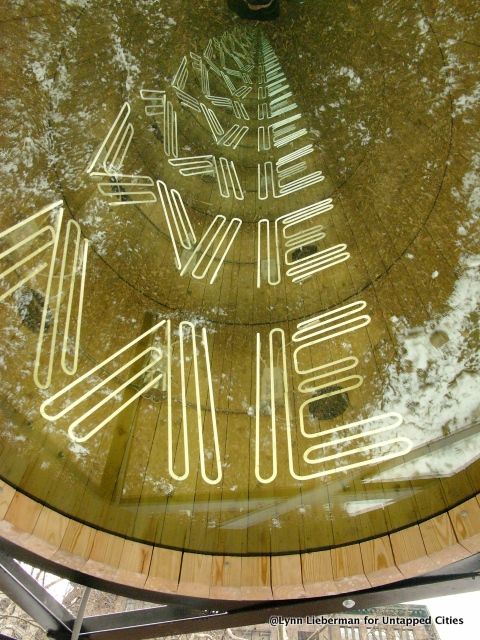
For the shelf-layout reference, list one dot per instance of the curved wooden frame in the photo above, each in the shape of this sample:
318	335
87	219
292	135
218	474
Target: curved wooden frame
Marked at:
413	551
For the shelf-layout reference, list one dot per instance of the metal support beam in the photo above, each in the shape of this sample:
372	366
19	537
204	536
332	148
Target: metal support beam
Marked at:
25	591
81	614
195	615
171	620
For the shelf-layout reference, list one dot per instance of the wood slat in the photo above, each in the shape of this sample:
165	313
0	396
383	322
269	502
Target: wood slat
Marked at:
466	524
195	574
164	573
317	574
6	496
226	577
105	556
21	516
440	540
287	579
48	533
256	578
76	546
134	563
348	568
410	553
378	561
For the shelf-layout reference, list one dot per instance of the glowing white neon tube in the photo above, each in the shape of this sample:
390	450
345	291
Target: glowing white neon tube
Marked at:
305	326
220	101
243	92
208	52
264	139
301	238
51	232
46	304
284	173
156	101
180	78
194	165
282	109
205	79
267	182
135	189
35	271
394	420
327	382
178	222
186	100
282	133
234	72
213	122
280	99
286	121
170	131
230	86
281	142
221	54
196	61
115	144
328	325
299	184
262	110
97	387
227	179
306	213
239	111
233	136
79	261
276	394
198	401
294	155
308	266
324	372
213	244
264	246
283	88
213	67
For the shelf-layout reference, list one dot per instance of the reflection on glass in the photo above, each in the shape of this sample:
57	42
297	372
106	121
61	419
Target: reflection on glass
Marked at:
269	349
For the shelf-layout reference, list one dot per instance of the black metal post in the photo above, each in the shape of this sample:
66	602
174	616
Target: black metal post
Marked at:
194	615
25	591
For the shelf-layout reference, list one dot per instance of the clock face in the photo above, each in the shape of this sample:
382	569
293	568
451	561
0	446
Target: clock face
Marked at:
238	278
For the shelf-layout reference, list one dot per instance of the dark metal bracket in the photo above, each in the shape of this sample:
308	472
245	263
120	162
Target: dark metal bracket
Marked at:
30	596
188	615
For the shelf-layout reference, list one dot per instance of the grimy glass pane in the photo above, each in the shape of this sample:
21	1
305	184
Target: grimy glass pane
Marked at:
238	268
